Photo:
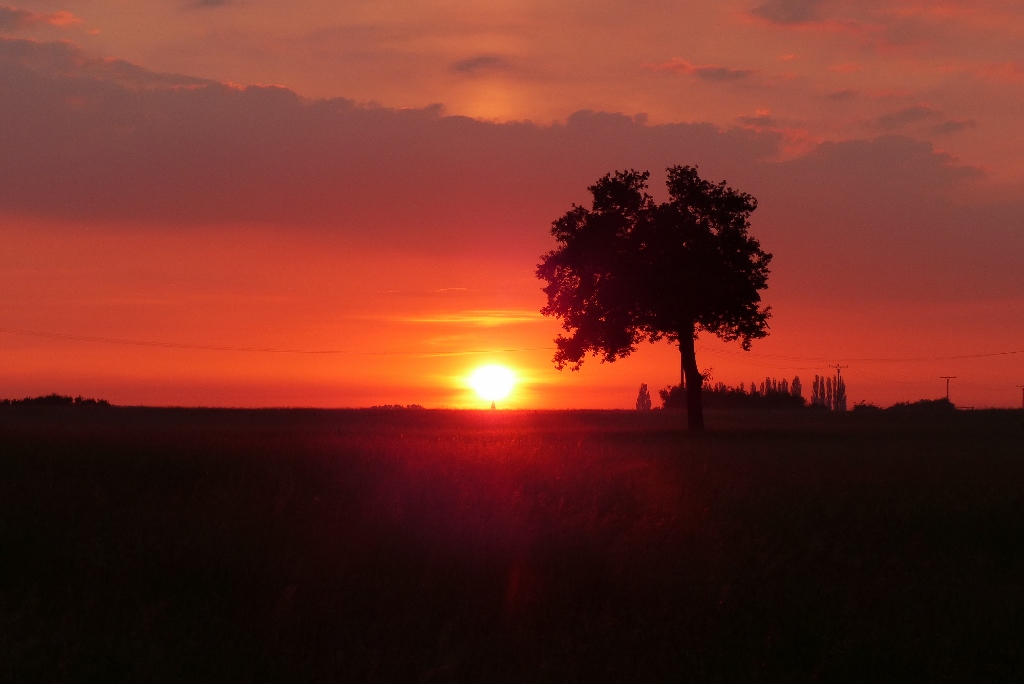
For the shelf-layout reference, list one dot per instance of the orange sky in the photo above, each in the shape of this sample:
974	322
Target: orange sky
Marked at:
387	199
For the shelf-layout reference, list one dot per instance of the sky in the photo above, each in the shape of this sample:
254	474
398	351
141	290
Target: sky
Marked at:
246	203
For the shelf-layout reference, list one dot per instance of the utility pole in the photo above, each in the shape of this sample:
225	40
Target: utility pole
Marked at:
947	378
839	371
1021	395
839	381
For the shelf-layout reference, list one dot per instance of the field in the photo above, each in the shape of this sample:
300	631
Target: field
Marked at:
169	545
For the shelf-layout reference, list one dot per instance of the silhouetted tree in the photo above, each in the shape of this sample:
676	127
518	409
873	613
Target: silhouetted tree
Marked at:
839	398
829	393
629	270
818	392
643	399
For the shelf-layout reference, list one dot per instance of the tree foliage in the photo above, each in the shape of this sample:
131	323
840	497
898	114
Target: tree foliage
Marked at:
629	270
829	393
643	398
770	394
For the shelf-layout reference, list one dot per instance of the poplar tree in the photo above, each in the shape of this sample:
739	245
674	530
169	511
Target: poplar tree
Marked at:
643	399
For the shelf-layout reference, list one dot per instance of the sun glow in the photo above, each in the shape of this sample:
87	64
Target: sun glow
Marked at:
493	382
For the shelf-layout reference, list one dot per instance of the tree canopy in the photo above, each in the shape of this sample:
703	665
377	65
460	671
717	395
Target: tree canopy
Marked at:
629	270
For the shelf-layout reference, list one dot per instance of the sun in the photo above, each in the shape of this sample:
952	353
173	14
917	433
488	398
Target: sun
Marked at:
492	382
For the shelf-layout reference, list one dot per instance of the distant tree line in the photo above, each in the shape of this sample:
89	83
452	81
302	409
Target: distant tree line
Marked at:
54	400
769	393
826	393
829	393
941	404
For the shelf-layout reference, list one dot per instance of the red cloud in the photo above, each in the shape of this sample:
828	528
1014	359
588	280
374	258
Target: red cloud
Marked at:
707	72
96	141
12	18
62	18
846	68
1013	70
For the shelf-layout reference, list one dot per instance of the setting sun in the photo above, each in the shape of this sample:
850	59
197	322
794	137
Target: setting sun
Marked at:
492	382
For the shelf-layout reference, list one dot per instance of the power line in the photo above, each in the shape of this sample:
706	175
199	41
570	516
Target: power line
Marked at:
753	359
166	345
257	350
893	359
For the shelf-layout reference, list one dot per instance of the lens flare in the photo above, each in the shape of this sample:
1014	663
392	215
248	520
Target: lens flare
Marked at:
492	382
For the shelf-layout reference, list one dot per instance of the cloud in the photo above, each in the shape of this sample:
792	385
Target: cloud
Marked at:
761	120
846	68
923	117
901	221
846	94
90	141
1012	70
954	126
788	11
908	115
847	18
481	63
12	19
717	73
487	318
25	61
707	72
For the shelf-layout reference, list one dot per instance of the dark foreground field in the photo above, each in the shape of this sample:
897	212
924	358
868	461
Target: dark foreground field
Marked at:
420	546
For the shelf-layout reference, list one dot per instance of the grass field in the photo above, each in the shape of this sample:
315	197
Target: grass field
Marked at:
430	546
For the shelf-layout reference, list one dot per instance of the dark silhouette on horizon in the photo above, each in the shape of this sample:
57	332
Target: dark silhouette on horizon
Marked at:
643	398
54	400
770	394
940	404
829	393
629	270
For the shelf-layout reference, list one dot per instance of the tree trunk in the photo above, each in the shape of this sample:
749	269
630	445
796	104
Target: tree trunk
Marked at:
693	382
